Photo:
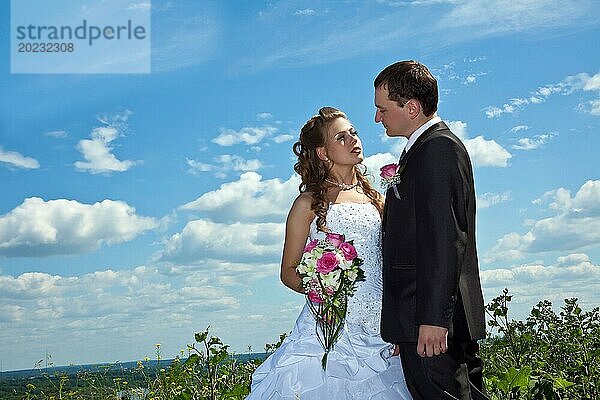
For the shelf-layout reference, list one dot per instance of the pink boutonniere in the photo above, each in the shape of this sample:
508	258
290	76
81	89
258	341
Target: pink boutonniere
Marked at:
391	176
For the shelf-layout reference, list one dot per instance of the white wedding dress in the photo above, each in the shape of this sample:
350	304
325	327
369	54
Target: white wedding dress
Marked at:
359	365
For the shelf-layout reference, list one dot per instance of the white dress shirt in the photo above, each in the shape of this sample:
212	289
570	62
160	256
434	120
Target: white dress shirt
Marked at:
415	135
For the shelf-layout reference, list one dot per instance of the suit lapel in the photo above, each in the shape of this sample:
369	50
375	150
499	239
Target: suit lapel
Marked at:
414	148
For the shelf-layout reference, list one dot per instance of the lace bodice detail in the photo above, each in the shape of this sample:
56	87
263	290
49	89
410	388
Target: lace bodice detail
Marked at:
361	223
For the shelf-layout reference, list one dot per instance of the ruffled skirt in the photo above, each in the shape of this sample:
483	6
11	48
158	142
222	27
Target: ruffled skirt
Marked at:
358	367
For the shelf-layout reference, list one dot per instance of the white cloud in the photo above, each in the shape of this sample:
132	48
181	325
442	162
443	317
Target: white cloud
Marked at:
183	35
143	5
11	313
483	153
493	111
283	138
227	274
38	228
575	225
305	12
237	163
519	128
197	167
470	79
510	16
303	42
56	134
533	142
403	3
14	159
487	153
98	152
374	164
461	21
248	199
398	145
475	59
595	107
591	83
237	242
488	199
248	135
225	163
123	312
461	72
567	86
117	119
264	115
573	275
591	107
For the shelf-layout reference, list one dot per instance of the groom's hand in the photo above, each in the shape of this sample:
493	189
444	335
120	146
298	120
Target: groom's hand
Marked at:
433	340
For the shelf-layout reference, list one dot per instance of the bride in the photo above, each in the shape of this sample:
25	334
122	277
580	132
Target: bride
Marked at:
335	197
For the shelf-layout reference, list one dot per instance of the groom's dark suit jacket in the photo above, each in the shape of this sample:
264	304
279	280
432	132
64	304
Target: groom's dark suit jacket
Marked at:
430	268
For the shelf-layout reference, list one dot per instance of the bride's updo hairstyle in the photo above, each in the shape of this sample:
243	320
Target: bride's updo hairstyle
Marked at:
313	170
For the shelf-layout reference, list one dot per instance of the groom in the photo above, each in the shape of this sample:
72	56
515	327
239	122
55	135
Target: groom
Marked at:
432	301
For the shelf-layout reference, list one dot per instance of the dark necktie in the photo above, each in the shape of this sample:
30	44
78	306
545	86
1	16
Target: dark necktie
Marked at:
402	155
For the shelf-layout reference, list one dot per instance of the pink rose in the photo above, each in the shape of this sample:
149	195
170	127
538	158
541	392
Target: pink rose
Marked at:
314	296
311	246
388	171
348	251
335	238
329	290
327	263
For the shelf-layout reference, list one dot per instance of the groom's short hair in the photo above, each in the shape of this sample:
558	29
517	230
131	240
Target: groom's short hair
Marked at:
407	80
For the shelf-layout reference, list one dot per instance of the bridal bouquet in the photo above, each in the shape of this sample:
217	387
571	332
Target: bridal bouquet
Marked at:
330	269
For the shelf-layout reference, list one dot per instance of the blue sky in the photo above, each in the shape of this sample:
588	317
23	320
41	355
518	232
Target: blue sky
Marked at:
139	208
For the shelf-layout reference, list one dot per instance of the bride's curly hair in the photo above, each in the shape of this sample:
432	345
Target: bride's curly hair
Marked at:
313	170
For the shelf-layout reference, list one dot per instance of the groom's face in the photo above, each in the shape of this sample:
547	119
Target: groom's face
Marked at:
393	117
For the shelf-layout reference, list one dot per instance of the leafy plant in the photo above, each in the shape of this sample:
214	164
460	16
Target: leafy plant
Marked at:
210	372
547	356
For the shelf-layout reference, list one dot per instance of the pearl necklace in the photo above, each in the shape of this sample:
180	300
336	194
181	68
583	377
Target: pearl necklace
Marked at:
343	186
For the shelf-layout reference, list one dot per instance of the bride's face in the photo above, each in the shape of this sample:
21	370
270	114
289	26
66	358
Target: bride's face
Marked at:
343	146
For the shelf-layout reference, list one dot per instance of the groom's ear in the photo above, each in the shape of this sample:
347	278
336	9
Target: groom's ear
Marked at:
414	108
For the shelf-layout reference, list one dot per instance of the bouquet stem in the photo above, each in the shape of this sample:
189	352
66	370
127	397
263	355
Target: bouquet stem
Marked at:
330	316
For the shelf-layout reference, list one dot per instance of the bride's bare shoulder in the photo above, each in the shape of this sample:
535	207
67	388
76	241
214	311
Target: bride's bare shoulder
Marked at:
302	206
304	200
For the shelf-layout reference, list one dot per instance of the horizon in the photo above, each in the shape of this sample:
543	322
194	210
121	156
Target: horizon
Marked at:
114	363
139	209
